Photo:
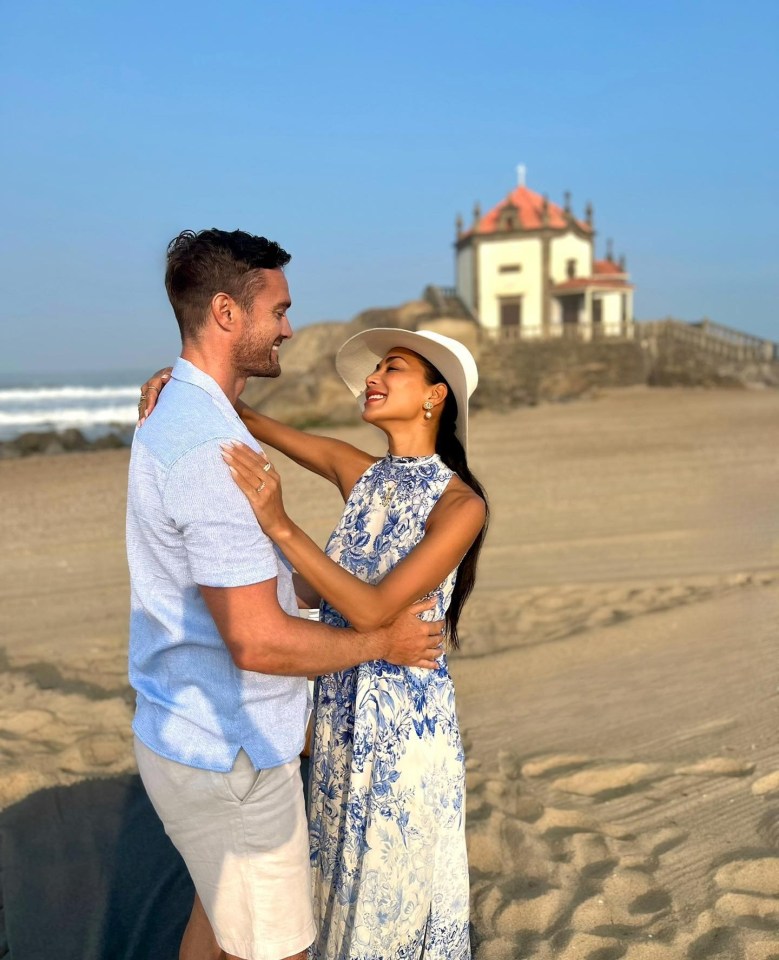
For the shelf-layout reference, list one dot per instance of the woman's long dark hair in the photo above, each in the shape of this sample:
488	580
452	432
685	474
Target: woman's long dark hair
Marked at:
451	451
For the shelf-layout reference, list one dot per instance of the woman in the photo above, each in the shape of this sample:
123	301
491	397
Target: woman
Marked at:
387	830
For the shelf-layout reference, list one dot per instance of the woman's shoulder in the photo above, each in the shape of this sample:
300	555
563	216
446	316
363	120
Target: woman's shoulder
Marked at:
460	498
353	472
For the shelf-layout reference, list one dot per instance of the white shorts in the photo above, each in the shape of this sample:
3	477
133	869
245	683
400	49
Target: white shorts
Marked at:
244	838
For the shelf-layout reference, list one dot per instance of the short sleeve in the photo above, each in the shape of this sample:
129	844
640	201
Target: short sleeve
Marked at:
225	544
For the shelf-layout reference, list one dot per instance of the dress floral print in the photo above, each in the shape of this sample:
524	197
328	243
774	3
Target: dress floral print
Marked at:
387	804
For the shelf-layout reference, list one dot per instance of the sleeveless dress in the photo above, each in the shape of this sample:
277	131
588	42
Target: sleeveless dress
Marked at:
387	787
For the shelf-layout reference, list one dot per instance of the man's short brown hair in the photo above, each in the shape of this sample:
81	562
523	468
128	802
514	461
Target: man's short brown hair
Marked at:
200	265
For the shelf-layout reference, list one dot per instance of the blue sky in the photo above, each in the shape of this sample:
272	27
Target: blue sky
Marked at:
354	132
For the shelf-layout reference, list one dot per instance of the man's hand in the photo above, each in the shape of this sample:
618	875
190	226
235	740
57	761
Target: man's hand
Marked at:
411	642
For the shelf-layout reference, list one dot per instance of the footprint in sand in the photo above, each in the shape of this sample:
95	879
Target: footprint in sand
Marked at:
750	895
554	765
717	767
552	882
745	915
609	781
766	786
562	884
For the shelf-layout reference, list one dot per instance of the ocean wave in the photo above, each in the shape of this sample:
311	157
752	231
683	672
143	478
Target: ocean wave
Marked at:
66	394
69	417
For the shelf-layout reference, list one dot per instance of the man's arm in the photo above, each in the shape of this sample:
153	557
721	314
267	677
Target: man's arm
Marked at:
235	566
262	637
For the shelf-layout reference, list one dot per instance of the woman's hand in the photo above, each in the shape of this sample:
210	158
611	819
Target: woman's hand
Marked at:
261	484
150	392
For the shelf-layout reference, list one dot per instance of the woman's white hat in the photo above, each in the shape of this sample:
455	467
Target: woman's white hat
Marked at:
359	356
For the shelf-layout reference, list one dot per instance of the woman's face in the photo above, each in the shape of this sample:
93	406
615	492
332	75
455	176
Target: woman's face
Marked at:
397	388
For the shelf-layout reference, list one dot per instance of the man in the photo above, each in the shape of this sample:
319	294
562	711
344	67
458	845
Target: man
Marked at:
218	655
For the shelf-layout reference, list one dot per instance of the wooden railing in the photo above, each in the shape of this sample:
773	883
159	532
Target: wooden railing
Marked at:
711	338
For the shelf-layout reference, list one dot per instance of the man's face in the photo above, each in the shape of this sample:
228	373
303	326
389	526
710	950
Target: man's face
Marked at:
265	327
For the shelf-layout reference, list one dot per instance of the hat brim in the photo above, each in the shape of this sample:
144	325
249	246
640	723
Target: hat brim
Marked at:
359	356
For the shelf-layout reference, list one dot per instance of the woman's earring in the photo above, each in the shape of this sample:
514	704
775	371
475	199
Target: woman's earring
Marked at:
428	407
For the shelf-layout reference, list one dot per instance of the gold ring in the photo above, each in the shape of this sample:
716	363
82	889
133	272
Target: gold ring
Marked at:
152	387
143	397
261	487
267	466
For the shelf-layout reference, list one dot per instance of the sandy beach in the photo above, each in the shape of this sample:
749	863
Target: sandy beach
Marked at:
618	684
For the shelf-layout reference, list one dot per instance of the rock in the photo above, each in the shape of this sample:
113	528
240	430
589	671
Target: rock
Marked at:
73	439
110	441
50	443
31	442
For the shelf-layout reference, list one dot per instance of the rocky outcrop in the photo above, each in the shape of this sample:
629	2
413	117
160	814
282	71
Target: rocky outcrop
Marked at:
51	442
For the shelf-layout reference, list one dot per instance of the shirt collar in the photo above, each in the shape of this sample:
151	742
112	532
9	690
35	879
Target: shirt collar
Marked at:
187	372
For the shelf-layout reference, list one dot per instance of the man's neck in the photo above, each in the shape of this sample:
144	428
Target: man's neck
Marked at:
218	368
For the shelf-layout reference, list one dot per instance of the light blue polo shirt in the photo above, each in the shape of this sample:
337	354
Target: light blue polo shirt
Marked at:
187	524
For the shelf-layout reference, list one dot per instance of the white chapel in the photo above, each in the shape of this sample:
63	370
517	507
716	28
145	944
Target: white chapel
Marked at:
527	270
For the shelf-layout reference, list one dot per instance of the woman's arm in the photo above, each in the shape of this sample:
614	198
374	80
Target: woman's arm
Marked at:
335	460
451	528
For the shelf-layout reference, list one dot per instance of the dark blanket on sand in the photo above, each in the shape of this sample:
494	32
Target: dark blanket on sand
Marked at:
87	873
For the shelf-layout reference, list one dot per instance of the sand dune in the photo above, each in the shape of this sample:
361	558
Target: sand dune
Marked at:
618	684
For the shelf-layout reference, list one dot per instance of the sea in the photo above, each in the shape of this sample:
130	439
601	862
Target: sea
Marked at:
94	403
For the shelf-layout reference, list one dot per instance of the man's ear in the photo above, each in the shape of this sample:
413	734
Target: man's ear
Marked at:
224	311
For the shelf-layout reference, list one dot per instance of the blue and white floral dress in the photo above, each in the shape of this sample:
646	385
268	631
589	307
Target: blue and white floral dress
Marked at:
387	794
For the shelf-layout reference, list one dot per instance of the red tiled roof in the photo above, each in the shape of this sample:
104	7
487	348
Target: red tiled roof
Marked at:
529	212
606	266
579	283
